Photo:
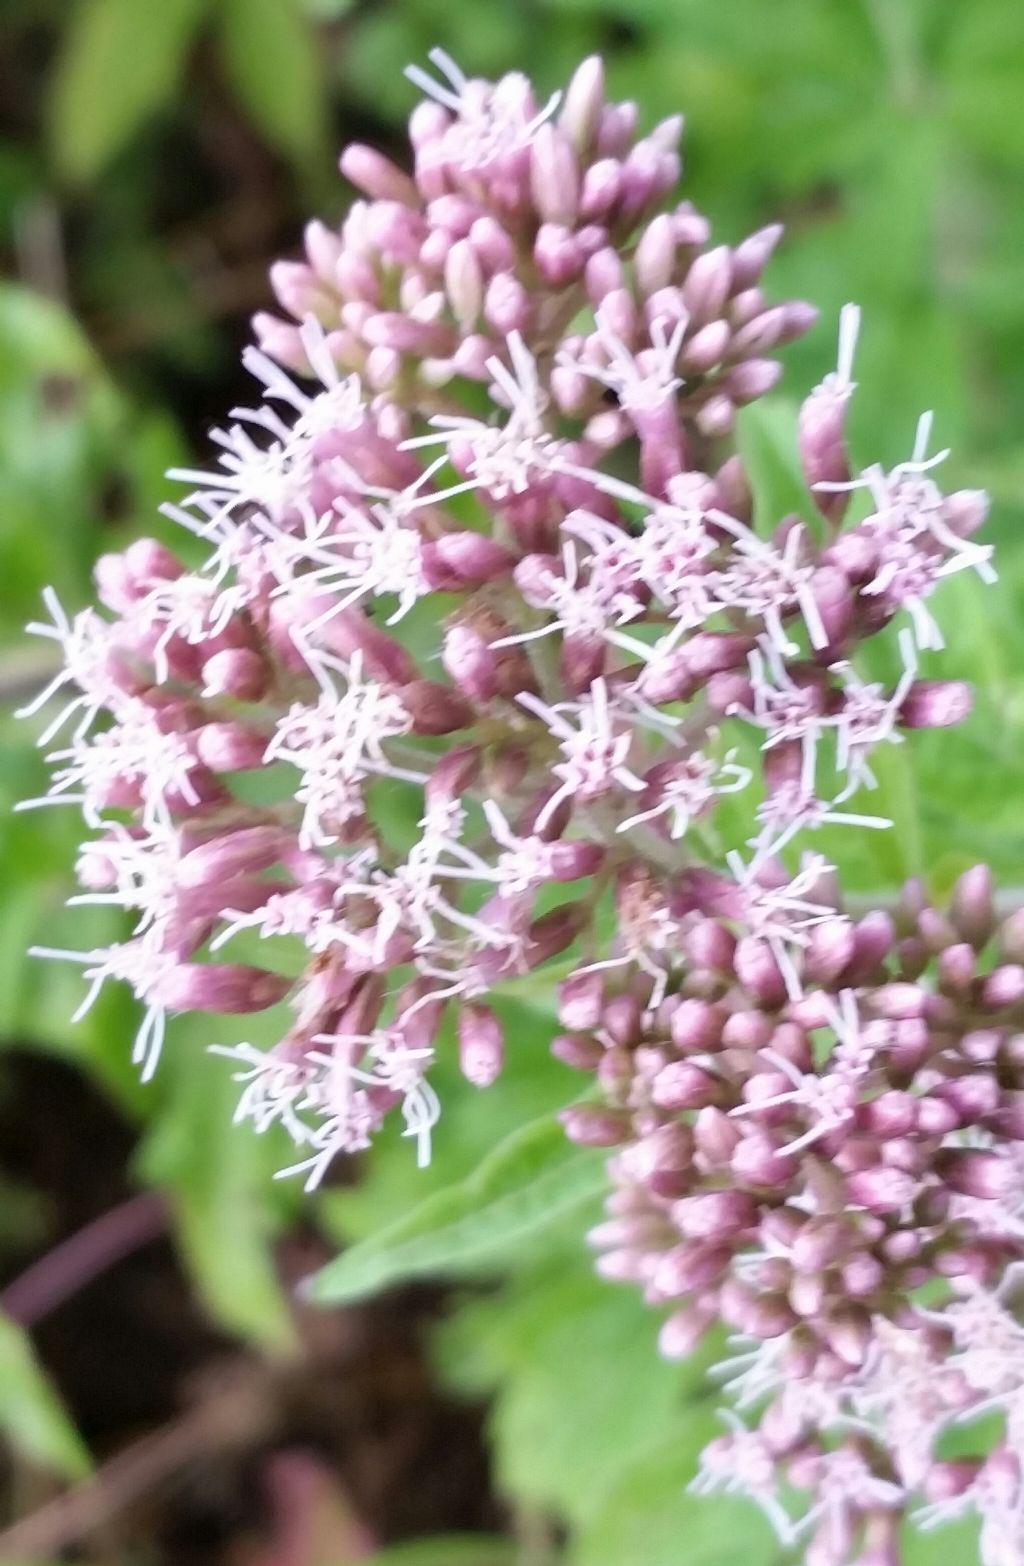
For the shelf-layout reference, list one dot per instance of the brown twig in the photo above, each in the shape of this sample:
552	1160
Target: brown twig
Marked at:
80	1258
230	1414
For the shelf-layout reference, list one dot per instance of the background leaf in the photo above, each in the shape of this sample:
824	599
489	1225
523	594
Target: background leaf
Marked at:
271	61
219	1177
531	1181
31	1416
452	1550
119	65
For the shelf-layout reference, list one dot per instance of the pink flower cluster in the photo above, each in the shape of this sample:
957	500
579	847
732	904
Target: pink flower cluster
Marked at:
484	545
835	1171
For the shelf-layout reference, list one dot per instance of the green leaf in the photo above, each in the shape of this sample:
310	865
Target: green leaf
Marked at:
525	1185
220	1180
451	1549
570	1363
270	55
31	1415
957	1542
120	63
472	1123
328	10
648	1512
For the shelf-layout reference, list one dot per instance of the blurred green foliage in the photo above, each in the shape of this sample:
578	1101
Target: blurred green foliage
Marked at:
158	157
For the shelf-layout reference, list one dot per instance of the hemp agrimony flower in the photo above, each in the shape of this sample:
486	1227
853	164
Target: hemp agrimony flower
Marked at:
484	540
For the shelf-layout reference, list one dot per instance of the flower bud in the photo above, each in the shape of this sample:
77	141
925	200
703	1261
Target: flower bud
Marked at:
696	1025
577	1050
481	1045
681	1085
936	704
756	1160
232	854
592	1127
464	283
707	284
759	972
689	1267
376	175
621	1019
1003	987
237	672
506	304
466	559
714	1214
554	176
231	747
683	1330
222	987
974	1172
434	708
973	906
881	1190
580	113
580	1001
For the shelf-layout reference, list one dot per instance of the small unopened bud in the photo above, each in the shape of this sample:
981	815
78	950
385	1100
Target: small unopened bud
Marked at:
506	304
717	416
862	1275
681	1085
710	945
696	1025
376	175
757	1161
593	1127
957	968
706	348
231	747
707	284
750	258
973	905
683	1330
466	559
899	1001
622	1019
758	971
453	774
819	1244
405	334
752	379
384	658
555	176
464	283
654	258
481	1045
965	511
1003	987
434	708
232	854
602	189
848	1334
689	1267
974	1172
577	1050
237	672
581	1001
581	107
222	987
881	1190
559	257
714	1214
936	704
